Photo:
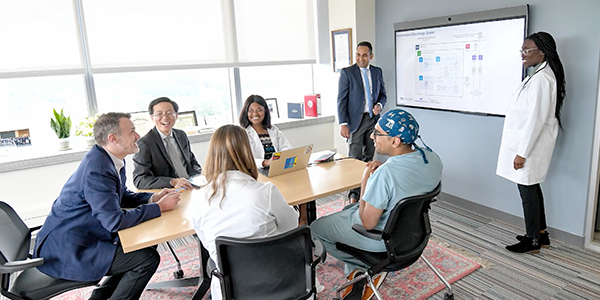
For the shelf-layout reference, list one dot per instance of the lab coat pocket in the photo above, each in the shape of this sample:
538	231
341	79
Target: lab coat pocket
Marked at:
513	139
517	118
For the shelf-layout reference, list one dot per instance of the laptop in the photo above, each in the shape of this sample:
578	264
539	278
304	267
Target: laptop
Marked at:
288	161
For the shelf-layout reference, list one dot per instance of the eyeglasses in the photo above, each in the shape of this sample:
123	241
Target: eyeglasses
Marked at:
160	114
376	133
526	51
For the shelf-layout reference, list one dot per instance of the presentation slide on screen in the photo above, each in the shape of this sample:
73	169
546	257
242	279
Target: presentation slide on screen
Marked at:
469	68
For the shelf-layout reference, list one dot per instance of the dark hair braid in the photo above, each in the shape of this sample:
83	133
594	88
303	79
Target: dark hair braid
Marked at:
545	43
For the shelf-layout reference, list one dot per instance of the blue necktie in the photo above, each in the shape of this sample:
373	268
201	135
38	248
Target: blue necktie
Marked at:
368	90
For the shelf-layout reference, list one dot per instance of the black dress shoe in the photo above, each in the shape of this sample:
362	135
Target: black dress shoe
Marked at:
544	239
357	289
353	198
527	245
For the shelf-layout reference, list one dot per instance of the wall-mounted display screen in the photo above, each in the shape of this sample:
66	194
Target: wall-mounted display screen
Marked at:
466	63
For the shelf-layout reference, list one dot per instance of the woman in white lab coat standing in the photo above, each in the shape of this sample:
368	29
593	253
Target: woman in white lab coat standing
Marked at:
529	135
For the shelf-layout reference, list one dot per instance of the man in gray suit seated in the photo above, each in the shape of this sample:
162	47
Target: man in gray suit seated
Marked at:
165	159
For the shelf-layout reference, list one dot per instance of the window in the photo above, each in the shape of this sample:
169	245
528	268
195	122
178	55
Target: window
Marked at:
286	83
38	35
205	91
274	30
27	103
114	55
154	32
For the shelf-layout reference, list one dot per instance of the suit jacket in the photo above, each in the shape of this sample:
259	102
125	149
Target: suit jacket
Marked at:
351	94
152	165
79	237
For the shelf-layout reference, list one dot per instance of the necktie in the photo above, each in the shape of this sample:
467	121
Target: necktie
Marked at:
176	158
368	90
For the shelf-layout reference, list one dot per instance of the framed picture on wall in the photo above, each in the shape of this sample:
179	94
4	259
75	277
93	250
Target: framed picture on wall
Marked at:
341	45
273	108
142	121
186	119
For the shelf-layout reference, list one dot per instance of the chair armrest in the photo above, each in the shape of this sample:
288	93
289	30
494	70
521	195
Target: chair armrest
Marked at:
320	252
14	266
372	234
211	267
211	270
36	228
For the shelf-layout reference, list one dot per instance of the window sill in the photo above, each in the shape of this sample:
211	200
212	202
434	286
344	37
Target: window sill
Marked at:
43	158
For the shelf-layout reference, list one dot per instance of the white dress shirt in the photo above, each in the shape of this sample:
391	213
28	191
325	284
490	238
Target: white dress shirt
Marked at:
250	209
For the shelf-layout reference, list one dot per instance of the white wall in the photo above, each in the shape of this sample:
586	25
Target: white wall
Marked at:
31	191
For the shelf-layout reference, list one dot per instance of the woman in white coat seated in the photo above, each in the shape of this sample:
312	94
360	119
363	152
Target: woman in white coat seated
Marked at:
234	204
265	138
529	135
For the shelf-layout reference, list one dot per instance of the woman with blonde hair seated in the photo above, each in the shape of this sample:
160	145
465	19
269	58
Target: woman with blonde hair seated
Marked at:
234	204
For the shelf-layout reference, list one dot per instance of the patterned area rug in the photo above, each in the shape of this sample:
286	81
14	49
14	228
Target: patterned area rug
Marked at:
415	282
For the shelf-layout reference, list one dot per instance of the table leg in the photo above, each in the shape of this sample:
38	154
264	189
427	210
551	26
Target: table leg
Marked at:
202	282
311	211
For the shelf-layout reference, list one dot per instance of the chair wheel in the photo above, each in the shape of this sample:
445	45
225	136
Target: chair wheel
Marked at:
448	296
178	274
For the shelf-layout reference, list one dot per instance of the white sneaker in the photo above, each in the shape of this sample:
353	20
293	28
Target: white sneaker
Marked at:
318	285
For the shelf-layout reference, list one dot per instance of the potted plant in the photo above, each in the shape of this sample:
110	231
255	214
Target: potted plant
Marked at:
61	125
86	129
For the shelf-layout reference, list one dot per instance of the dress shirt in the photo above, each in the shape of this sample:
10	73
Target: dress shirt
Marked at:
250	209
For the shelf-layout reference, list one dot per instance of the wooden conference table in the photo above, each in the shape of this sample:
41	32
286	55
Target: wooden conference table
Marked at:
303	186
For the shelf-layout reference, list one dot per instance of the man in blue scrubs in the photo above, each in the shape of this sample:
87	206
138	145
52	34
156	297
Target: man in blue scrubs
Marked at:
409	171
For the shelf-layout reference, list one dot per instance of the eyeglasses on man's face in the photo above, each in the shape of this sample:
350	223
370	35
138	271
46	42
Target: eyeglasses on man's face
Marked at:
376	133
160	114
526	51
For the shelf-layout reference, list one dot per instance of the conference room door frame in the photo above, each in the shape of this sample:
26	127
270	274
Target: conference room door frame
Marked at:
593	208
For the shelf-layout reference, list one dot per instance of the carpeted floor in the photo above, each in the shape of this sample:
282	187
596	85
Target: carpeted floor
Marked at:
415	282
560	272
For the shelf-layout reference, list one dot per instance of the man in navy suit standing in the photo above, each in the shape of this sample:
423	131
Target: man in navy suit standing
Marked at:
361	97
79	240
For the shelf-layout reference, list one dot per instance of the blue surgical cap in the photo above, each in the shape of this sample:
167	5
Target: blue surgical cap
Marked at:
400	123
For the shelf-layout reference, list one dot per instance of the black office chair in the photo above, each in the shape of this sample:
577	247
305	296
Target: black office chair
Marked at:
277	268
15	238
405	235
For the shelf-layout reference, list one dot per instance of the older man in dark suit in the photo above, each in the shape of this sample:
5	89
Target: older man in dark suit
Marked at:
79	240
361	97
165	159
